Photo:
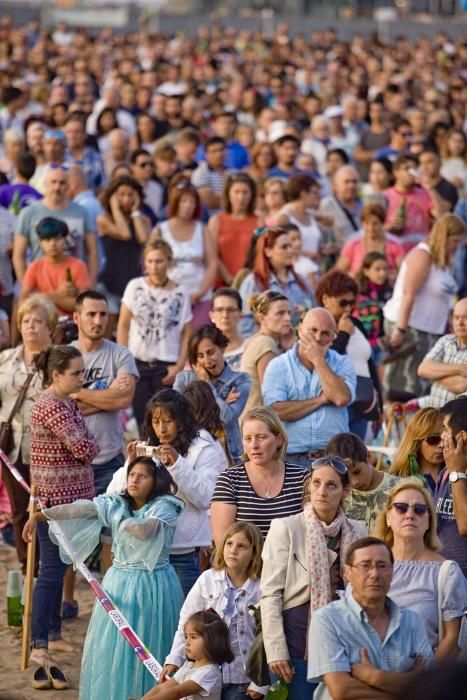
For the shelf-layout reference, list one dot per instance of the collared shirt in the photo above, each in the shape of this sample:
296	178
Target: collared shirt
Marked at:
341	629
448	351
213	589
91	164
287	379
300	299
221	386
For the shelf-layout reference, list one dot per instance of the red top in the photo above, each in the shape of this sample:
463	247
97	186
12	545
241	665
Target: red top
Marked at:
62	450
233	241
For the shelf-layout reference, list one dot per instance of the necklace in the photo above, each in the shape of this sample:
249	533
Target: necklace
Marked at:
270	489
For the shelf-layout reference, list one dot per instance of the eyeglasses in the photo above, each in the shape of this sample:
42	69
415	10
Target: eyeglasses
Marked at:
405	134
419	509
433	439
382	567
344	303
337	464
146	164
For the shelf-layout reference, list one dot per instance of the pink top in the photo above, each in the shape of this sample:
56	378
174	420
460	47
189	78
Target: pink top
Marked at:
62	450
5	506
354	251
418	207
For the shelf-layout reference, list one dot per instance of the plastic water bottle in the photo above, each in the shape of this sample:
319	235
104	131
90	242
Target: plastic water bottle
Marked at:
13	594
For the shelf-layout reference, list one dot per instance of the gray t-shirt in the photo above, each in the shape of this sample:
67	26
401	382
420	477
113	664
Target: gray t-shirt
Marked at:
75	216
101	367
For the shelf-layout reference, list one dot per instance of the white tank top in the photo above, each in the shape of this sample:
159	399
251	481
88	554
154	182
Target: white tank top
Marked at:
311	234
431	305
189	268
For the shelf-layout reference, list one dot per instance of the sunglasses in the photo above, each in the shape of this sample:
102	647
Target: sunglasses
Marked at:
146	164
433	439
344	303
337	464
419	509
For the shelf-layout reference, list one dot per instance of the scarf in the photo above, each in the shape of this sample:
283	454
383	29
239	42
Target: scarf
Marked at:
317	553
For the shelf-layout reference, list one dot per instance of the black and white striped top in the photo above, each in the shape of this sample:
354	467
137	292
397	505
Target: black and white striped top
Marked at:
233	486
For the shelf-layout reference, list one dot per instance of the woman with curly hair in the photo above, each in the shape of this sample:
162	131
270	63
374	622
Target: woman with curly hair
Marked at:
124	230
421	448
273	269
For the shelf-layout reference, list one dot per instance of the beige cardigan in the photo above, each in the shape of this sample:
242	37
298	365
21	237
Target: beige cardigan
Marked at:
285	578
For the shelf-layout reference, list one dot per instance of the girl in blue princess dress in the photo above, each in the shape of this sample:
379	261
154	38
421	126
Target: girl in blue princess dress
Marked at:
141	582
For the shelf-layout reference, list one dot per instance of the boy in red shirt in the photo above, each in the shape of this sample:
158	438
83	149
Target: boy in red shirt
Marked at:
58	275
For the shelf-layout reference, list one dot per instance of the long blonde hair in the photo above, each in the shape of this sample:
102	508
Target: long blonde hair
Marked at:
385	533
426	422
446	226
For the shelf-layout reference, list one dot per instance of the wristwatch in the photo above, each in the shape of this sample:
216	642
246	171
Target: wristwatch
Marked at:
455	476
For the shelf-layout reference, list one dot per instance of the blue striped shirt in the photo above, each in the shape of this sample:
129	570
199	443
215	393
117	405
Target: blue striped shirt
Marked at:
287	379
341	629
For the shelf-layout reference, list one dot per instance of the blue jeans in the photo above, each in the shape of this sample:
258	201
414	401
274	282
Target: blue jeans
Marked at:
299	688
47	596
299	459
358	426
187	569
234	691
103	473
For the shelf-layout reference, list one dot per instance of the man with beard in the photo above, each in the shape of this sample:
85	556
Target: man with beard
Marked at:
109	384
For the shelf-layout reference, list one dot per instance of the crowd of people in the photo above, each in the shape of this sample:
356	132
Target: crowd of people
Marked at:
224	260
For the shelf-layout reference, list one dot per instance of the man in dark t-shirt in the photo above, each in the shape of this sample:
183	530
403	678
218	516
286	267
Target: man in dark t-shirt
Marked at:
451	490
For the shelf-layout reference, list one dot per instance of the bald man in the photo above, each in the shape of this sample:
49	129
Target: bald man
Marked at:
81	242
344	204
310	387
446	363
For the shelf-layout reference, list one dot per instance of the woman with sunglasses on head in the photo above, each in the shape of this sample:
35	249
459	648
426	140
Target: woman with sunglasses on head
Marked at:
273	269
421	579
194	250
420	451
337	292
303	564
233	227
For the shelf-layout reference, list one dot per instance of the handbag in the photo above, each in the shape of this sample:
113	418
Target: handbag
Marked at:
366	404
7	442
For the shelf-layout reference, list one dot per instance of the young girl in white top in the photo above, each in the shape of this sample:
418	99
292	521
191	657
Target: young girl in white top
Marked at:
230	587
302	264
206	648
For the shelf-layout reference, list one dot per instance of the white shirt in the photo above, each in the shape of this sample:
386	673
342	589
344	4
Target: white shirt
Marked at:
208	677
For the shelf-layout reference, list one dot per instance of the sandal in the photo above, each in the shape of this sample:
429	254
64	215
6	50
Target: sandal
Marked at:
41	679
57	678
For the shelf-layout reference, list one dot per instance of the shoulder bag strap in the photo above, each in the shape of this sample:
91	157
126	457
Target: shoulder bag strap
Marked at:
21	396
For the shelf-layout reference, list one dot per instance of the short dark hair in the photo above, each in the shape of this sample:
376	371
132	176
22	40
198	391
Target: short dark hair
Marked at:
287	137
88	294
347	446
364	542
397	121
163	484
215	634
210	332
402	160
180	411
335	283
339	152
134	155
457	412
213	141
26	165
50	227
299	183
228	292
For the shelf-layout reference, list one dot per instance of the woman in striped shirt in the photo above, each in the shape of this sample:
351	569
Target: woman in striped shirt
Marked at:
263	487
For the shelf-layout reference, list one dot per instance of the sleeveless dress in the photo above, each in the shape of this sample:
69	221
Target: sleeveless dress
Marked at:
233	241
140	582
189	267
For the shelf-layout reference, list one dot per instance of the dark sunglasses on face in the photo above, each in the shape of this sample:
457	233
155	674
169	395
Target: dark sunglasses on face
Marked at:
337	464
344	303
433	439
146	164
419	509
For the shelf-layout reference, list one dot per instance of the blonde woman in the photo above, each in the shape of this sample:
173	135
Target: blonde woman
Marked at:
421	447
155	324
408	526
263	486
418	309
271	311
